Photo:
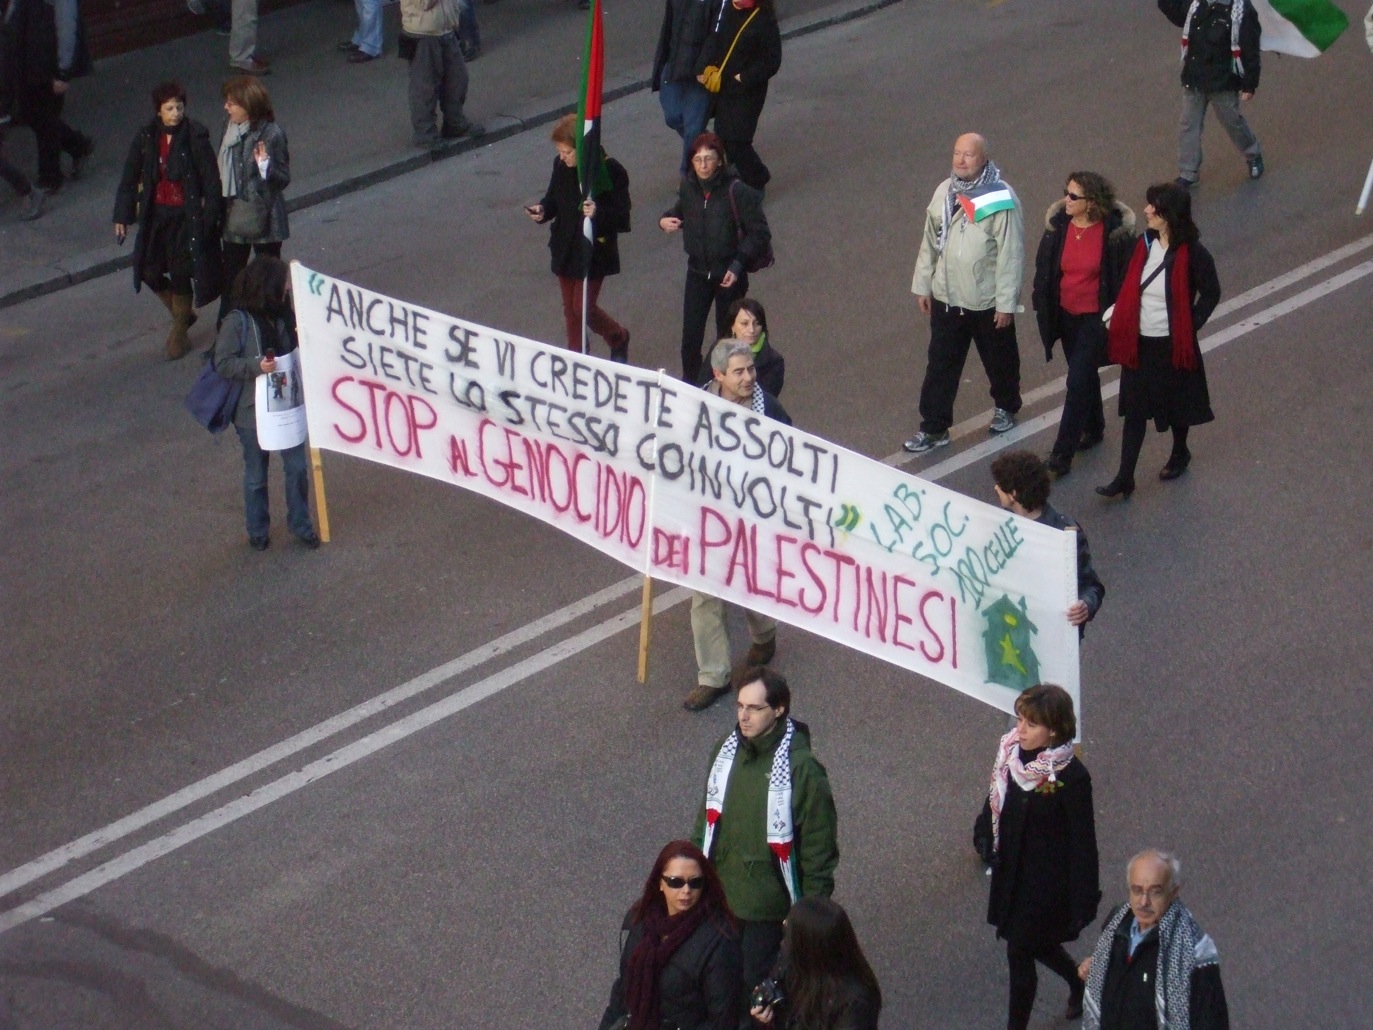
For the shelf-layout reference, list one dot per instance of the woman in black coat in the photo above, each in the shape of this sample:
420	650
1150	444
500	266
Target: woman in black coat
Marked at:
1169	291
749	324
680	964
1039	816
608	207
1088	238
724	232
170	190
746	48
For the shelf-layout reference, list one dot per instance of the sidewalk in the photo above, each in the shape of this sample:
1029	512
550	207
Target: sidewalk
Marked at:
348	125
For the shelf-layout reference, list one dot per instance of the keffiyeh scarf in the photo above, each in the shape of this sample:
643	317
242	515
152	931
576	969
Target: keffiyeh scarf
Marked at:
779	825
1044	768
990	174
1182	948
1236	18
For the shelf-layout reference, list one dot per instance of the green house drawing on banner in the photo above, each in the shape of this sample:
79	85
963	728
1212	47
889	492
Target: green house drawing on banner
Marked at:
1011	659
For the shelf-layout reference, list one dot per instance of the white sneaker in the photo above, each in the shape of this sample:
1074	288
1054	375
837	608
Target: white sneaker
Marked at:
33	204
1002	420
923	441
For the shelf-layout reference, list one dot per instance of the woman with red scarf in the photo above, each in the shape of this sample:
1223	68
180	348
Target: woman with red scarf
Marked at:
170	194
1169	291
680	964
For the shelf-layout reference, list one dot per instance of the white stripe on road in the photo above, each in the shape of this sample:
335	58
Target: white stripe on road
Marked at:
83	846
399	730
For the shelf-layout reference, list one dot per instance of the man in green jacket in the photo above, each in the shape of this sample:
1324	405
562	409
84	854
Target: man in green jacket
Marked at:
768	820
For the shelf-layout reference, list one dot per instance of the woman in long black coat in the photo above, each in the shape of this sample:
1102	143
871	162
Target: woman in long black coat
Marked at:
563	209
1039	816
1169	291
170	190
680	964
750	28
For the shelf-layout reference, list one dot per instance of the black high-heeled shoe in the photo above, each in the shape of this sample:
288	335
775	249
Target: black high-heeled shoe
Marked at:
1117	487
1177	465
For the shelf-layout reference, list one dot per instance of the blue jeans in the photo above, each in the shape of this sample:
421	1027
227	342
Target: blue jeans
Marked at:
686	109
368	36
469	33
255	486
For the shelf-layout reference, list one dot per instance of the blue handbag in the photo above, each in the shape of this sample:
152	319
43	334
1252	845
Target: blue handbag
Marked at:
214	399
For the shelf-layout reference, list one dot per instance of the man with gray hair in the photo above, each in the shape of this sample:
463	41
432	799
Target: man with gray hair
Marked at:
734	379
1153	967
967	280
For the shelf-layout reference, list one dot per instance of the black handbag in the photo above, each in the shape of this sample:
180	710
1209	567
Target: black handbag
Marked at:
248	217
214	399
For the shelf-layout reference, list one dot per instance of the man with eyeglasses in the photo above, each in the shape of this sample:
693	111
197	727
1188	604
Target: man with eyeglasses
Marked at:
1153	967
767	821
967	280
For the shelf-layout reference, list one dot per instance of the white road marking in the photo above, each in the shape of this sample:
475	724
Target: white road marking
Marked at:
439	710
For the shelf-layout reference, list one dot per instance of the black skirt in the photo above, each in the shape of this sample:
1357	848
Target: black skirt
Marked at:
169	245
1172	397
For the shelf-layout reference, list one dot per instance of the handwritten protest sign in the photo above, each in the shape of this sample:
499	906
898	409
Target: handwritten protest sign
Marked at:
690	489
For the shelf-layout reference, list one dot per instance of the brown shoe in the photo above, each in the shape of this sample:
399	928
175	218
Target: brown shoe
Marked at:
177	343
761	654
703	696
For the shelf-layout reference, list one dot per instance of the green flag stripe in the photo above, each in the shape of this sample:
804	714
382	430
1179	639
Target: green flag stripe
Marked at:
1319	21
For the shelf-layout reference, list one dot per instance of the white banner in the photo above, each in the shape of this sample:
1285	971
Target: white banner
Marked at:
694	490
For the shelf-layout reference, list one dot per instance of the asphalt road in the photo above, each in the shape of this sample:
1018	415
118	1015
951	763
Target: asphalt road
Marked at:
473	872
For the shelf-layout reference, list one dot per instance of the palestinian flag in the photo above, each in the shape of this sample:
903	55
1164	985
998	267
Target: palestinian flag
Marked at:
986	200
1302	28
591	170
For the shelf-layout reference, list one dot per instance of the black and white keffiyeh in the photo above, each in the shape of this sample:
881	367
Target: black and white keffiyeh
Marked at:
1236	18
990	174
1183	947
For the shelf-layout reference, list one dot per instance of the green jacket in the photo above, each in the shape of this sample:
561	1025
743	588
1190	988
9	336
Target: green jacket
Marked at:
753	882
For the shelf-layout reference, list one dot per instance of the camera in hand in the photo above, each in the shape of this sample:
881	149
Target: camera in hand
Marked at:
767	993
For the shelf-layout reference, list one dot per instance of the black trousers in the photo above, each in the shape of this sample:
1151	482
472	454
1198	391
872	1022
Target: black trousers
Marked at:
236	260
700	293
952	331
1083	340
1025	980
747	162
43	109
759	942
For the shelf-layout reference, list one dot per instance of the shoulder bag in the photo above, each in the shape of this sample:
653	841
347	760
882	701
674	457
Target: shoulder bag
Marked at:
764	260
713	77
214	399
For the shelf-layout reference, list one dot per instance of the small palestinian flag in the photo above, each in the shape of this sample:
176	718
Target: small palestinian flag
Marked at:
1302	28
988	200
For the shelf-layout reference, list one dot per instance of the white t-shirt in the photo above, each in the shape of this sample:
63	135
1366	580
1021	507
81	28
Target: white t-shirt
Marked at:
1153	302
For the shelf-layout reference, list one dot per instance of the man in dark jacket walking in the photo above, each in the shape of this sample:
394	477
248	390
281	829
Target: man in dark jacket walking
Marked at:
1153	967
1021	482
686	103
1220	67
50	47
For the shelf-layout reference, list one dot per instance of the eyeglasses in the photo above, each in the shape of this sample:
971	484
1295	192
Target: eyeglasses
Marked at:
1155	893
706	158
1073	196
676	883
752	709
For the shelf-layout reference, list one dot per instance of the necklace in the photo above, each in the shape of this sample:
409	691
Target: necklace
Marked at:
1078	233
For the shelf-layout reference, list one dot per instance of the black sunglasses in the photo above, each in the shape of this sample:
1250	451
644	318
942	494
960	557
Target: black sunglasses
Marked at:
1073	196
676	883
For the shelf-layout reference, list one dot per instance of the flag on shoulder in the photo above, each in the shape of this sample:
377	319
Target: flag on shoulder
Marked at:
988	200
1302	28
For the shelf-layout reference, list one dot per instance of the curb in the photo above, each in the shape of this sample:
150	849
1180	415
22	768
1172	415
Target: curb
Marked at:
95	264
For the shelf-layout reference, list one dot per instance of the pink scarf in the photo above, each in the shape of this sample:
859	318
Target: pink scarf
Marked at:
1044	768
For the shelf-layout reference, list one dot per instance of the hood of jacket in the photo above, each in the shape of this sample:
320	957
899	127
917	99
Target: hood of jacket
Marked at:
1124	211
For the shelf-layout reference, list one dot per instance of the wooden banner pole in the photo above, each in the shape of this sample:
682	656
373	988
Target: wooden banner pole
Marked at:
317	466
645	628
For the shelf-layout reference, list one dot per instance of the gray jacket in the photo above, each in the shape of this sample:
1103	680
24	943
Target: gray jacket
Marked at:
983	263
251	183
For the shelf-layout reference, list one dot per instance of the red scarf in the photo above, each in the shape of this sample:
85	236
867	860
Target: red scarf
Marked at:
662	936
1123	345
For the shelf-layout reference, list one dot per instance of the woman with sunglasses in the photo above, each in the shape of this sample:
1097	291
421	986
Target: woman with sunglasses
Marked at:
679	956
823	981
1088	236
1037	831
